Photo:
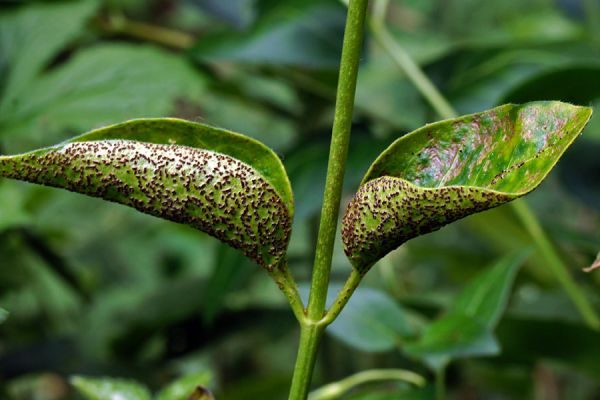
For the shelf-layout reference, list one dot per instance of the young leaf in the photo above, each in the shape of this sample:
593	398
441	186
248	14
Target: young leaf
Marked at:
184	387
468	326
450	169
228	185
110	389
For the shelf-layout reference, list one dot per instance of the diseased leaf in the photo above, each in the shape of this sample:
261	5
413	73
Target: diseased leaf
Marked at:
228	185
110	389
450	169
467	329
186	386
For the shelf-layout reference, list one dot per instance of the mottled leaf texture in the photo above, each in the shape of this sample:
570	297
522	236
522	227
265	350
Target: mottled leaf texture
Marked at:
228	185
450	169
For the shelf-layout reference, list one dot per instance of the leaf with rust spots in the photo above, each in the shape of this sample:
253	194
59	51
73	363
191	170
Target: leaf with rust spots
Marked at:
450	169
226	184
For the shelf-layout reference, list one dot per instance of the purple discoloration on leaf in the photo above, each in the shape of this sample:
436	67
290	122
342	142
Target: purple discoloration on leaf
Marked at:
480	160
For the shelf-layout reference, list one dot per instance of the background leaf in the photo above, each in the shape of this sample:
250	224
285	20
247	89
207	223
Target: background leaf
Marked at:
372	321
109	389
467	327
182	388
31	36
293	33
99	86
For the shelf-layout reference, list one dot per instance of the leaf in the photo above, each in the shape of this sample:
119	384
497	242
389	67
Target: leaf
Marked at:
372	321
101	85
184	387
467	328
450	169
220	182
293	33
238	13
110	389
30	36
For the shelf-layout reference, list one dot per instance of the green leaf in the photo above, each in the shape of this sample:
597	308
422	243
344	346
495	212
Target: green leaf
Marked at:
292	33
372	321
110	389
184	387
467	328
30	36
101	85
226	184
453	168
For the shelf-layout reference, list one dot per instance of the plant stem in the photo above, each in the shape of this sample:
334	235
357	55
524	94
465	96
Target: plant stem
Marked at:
343	296
547	250
311	328
412	70
440	383
310	337
338	152
524	213
339	388
118	24
286	283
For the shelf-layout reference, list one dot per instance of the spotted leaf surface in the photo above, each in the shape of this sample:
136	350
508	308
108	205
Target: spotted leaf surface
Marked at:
222	183
453	168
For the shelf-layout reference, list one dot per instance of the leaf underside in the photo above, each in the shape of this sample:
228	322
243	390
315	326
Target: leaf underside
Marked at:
453	168
207	189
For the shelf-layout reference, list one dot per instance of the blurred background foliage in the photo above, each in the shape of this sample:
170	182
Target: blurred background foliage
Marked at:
92	288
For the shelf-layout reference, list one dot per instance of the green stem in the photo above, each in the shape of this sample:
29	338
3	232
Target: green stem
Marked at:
592	13
343	296
528	219
554	262
118	24
310	337
286	283
339	388
337	156
412	70
440	383
312	327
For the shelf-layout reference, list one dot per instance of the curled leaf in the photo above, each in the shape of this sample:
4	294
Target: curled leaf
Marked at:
453	168
179	171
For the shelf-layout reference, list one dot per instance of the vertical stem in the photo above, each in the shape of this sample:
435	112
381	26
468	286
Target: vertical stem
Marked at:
310	337
312	327
338	152
440	383
547	250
